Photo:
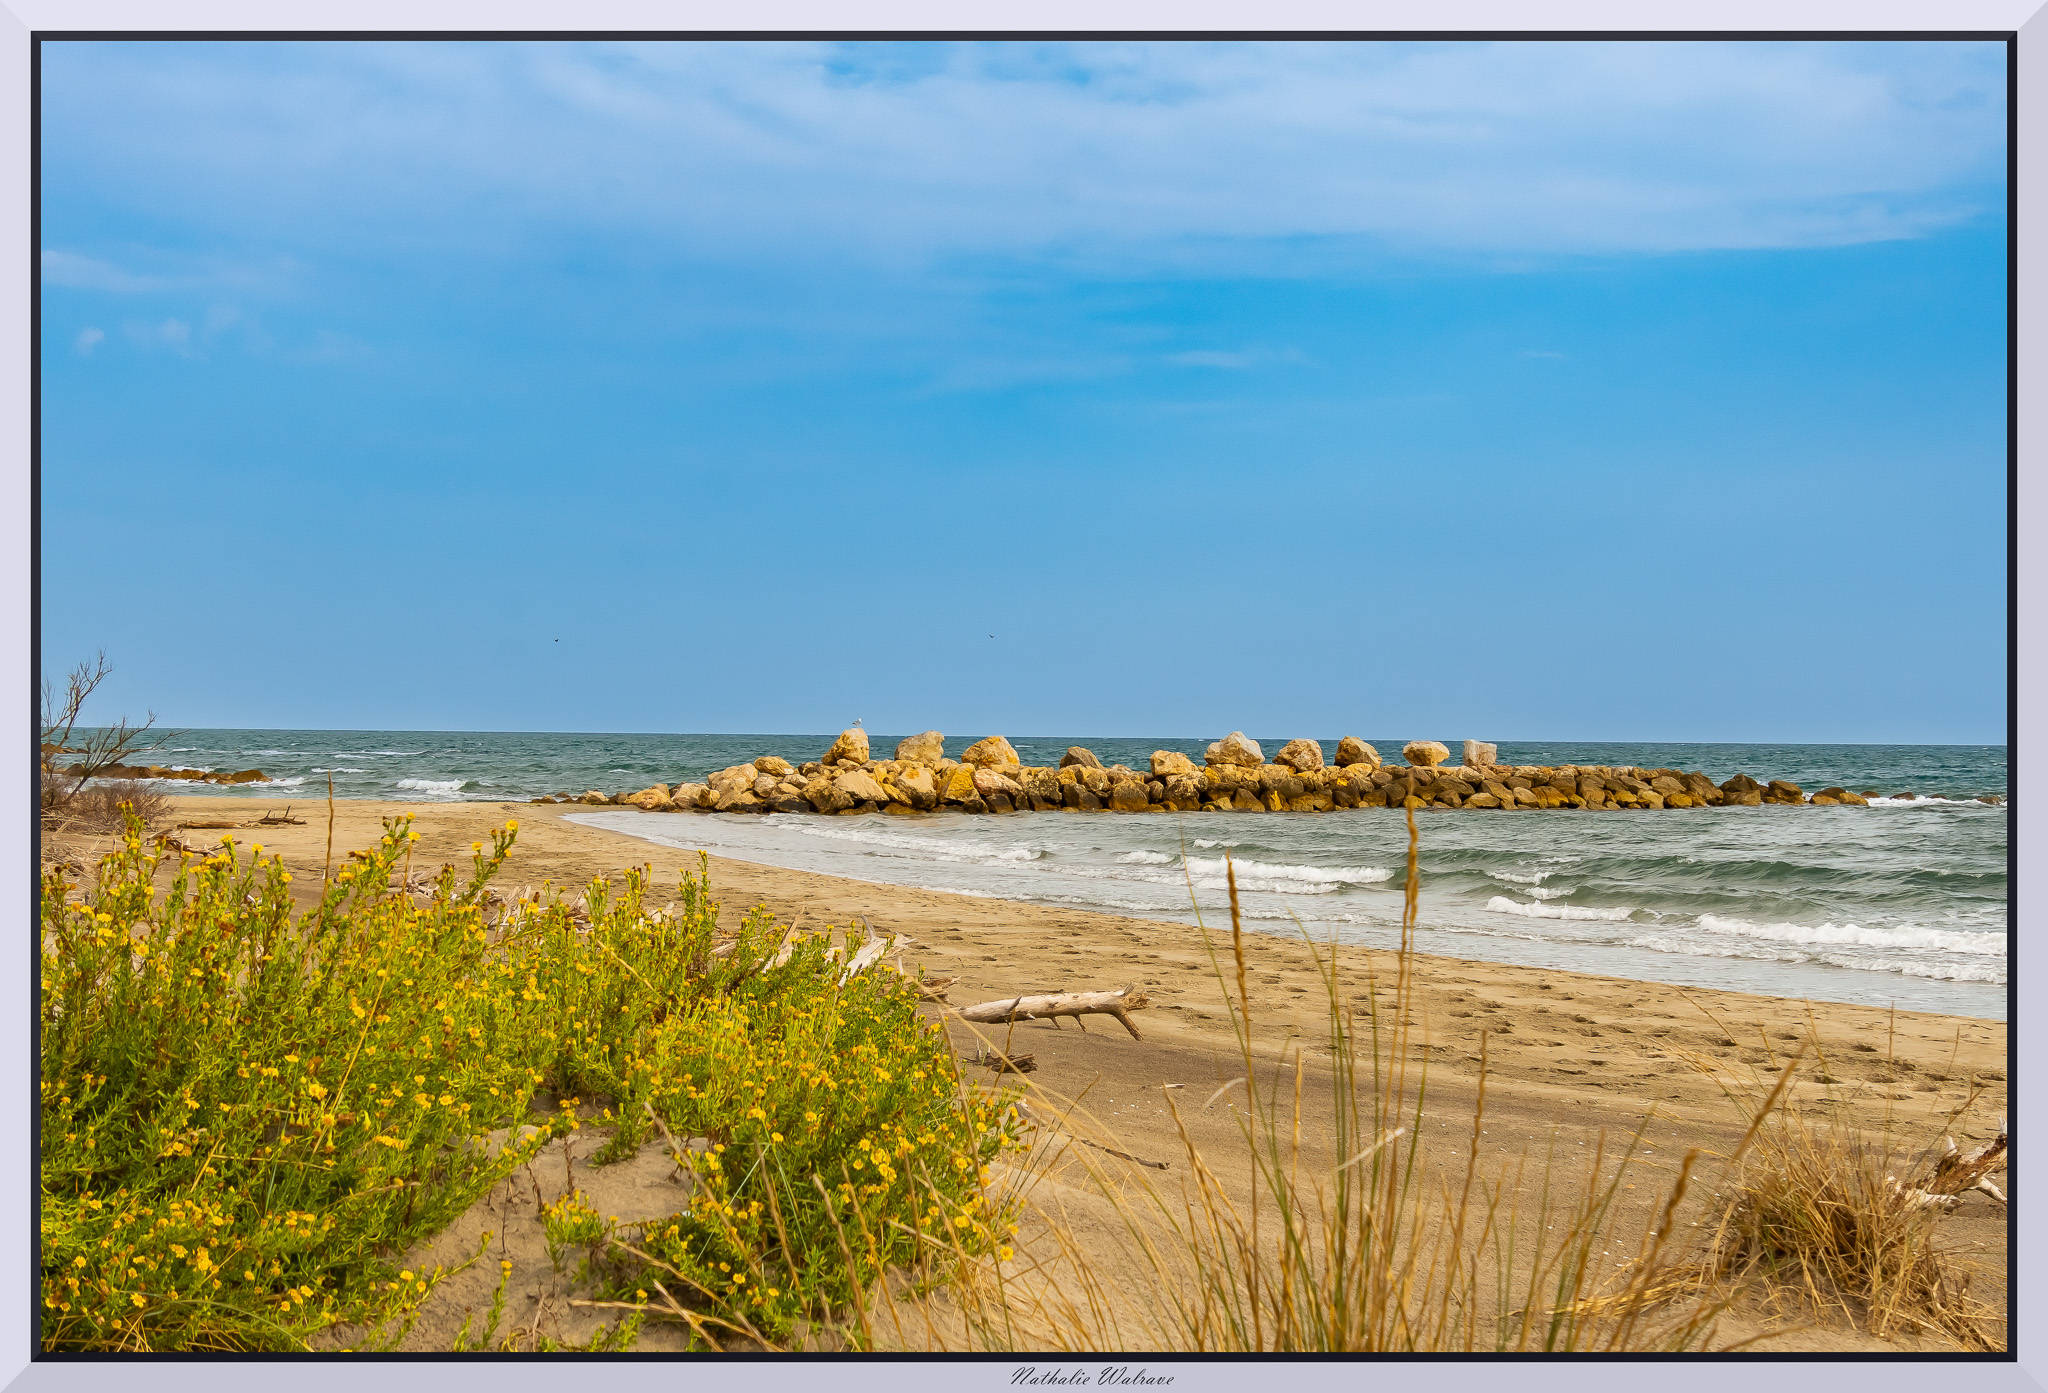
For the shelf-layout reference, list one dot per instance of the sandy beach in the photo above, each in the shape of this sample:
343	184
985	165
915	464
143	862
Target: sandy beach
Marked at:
1569	1056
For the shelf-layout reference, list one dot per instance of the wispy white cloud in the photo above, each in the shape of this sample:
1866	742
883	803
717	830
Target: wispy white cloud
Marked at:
174	273
1241	360
88	339
77	272
1088	151
172	334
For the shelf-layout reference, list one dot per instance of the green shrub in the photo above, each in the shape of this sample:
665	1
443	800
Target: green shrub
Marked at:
247	1115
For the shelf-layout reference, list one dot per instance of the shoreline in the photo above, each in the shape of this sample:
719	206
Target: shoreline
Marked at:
568	854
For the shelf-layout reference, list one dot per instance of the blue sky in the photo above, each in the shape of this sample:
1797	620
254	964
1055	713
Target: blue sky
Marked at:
1523	391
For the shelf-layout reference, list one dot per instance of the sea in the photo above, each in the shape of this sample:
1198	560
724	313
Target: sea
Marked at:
1902	903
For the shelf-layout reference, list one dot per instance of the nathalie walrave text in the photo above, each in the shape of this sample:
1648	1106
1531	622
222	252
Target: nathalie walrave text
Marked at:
1106	1377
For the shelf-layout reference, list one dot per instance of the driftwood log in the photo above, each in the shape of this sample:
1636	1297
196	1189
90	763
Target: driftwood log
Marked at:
1056	1004
1956	1173
1004	1063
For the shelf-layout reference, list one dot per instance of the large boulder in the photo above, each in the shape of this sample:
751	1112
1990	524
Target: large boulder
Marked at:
1166	763
860	786
1282	780
992	753
1129	796
823	794
1234	748
1041	784
652	800
688	795
989	784
1480	755
736	776
737	798
959	785
1425	753
852	744
1077	754
921	788
928	748
1300	755
773	764
1352	750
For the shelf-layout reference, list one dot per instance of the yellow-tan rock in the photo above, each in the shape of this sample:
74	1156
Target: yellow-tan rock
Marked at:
1352	750
993	753
922	788
852	744
860	786
988	783
1166	763
1300	755
774	764
928	748
1426	753
1129	796
959	787
1234	748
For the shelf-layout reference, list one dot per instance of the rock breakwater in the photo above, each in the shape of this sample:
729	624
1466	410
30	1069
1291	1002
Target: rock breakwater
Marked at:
1235	776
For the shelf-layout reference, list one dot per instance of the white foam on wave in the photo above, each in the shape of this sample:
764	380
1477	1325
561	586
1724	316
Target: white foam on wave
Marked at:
293	782
1146	858
431	785
1942	940
1204	866
1501	904
938	848
1518	878
341	771
1208	845
1918	967
1932	969
1539	892
1933	801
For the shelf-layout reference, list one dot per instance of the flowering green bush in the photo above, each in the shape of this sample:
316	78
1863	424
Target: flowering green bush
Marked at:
246	1114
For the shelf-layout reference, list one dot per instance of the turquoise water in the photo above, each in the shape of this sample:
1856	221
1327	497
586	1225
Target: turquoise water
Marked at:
1900	903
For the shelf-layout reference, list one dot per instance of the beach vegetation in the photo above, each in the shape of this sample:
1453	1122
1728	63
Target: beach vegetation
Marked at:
1822	1218
250	1112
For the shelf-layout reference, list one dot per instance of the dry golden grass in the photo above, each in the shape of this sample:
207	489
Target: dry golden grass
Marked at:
1825	1218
